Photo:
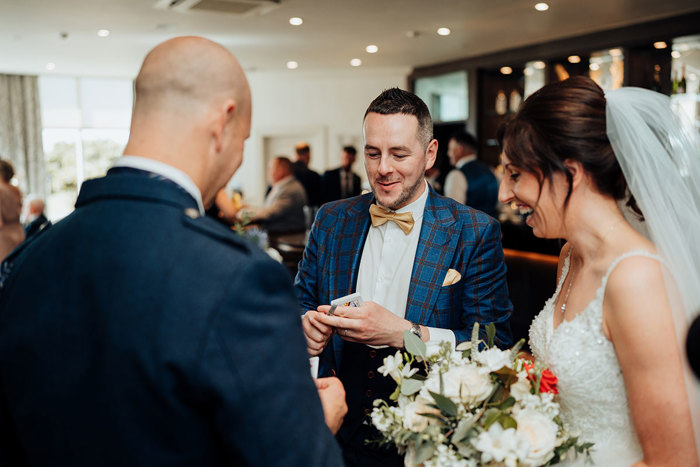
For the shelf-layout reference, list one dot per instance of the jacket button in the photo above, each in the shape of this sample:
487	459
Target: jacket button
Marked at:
370	374
372	353
369	393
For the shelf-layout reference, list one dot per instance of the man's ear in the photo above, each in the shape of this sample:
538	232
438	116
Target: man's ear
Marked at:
224	115
431	153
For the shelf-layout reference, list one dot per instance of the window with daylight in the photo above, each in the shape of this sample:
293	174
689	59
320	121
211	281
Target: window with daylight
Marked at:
86	126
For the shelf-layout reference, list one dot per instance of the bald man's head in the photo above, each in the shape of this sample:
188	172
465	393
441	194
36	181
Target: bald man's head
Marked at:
192	111
188	74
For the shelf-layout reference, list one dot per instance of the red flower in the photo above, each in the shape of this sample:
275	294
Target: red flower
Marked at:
548	382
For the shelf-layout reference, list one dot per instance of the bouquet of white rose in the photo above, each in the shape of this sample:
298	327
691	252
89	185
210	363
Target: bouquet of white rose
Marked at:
472	407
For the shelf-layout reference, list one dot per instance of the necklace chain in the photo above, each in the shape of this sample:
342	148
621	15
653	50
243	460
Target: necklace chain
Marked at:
573	273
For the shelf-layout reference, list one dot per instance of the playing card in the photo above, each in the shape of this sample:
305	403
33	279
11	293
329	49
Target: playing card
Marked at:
354	299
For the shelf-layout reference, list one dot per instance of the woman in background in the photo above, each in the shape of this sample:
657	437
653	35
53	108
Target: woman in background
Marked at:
611	331
11	230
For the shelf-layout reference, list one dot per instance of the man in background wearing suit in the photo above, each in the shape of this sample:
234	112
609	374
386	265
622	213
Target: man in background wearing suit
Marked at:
36	220
420	261
283	214
160	338
307	177
342	182
471	182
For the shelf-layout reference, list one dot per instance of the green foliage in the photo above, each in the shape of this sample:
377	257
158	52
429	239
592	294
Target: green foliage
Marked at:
410	386
490	334
445	404
414	344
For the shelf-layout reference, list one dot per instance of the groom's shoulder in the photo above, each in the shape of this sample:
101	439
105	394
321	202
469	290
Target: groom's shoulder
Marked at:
466	217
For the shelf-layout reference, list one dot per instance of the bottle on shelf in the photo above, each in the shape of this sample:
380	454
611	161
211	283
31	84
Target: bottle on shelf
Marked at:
682	82
656	84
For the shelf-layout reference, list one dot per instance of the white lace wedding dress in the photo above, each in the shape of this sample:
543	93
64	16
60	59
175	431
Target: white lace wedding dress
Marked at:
591	387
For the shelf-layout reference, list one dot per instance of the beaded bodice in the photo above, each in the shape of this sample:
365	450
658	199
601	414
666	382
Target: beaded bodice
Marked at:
591	386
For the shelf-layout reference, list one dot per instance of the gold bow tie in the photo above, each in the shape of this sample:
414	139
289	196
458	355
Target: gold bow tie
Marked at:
381	215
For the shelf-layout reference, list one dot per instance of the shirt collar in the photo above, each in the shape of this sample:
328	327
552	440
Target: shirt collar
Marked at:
176	176
465	160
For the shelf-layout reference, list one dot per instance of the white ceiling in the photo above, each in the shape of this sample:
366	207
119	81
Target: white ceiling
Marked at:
334	31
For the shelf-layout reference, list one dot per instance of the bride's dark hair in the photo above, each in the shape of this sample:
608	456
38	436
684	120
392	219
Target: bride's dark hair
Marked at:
565	120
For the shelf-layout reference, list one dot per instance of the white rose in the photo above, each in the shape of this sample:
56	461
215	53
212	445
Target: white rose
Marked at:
521	388
474	383
494	359
412	419
540	432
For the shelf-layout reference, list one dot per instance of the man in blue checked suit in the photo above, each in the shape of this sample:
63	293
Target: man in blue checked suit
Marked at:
420	261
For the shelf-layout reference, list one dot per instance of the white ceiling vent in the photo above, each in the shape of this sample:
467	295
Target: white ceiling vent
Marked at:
234	7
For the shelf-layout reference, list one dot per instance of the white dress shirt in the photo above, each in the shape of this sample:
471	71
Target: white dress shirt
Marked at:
386	266
456	182
176	176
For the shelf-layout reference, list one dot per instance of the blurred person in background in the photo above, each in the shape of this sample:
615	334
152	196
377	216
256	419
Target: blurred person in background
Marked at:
313	185
35	220
342	182
11	230
471	182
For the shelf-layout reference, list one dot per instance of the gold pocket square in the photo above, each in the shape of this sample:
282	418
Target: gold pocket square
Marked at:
452	277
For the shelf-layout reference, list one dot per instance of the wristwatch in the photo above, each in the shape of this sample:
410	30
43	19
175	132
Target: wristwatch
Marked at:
415	329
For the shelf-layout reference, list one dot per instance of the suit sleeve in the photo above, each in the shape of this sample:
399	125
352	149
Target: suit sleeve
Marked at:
9	445
286	200
255	368
486	296
306	280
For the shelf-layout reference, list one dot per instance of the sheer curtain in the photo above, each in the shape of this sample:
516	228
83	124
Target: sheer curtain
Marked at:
20	131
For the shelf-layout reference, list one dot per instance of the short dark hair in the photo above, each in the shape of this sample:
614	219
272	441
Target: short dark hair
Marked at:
350	150
7	171
565	120
303	148
465	139
397	101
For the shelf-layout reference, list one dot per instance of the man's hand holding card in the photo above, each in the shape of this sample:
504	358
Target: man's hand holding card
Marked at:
369	323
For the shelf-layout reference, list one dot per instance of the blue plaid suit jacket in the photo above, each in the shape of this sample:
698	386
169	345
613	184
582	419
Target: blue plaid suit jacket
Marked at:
453	236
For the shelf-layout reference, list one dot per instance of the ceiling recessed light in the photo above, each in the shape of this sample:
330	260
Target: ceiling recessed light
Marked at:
594	67
660	45
539	65
444	31
372	49
506	70
676	54
103	32
50	66
292	65
296	21
574	59
355	62
541	6
616	52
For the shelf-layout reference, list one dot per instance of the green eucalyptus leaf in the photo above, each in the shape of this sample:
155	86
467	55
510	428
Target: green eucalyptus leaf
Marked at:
424	452
463	427
445	404
410	386
490	333
414	345
507	404
475	339
490	416
507	421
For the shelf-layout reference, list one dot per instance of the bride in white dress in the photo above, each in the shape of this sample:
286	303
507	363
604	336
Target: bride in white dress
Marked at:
612	331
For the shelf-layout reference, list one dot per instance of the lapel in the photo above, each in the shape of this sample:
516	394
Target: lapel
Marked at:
352	229
437	245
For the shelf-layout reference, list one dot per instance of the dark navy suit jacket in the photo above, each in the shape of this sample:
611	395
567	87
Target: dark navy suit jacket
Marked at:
135	332
453	236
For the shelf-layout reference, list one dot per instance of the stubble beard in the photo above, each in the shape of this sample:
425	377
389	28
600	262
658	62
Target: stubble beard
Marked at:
404	196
